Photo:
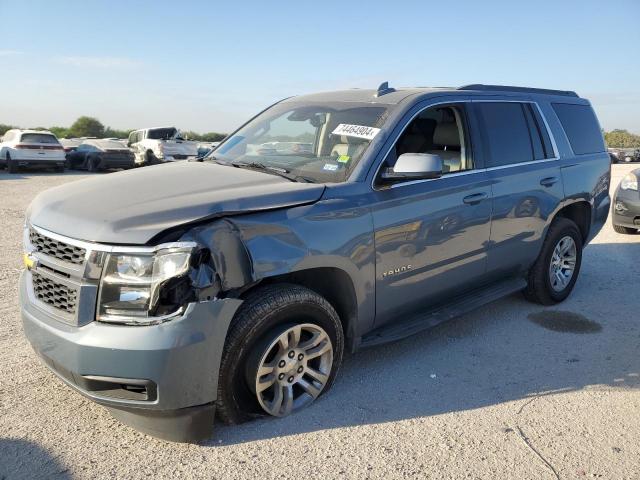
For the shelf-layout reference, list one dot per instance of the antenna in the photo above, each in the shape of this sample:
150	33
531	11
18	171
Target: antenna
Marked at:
383	89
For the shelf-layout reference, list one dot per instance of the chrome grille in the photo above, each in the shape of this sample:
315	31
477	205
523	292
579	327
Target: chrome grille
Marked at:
54	293
56	249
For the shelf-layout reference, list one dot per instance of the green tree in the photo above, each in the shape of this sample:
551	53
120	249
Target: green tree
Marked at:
213	136
113	133
622	139
60	132
86	127
4	128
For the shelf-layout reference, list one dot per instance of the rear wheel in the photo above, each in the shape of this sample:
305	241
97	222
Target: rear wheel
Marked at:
12	167
553	276
625	230
283	350
150	158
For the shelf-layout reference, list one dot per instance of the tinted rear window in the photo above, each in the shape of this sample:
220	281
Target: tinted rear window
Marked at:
38	138
162	133
581	126
507	133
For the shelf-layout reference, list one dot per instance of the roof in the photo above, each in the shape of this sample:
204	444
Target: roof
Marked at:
364	95
21	130
390	96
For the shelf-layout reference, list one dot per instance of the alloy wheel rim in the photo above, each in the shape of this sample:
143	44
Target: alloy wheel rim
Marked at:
293	369
563	263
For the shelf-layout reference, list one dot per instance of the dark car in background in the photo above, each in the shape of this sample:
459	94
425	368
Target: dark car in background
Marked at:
626	204
95	155
624	155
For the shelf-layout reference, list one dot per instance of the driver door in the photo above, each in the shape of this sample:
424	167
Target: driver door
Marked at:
431	236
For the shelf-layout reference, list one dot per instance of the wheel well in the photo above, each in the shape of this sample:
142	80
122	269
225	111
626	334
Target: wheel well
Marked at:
333	284
580	214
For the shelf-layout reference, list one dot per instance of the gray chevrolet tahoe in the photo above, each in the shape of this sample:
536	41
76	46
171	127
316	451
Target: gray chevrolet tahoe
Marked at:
232	286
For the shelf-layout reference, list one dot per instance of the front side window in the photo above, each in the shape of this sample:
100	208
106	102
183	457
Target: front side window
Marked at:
306	142
438	131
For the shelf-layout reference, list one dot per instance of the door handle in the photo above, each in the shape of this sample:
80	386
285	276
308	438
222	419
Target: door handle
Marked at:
475	198
549	181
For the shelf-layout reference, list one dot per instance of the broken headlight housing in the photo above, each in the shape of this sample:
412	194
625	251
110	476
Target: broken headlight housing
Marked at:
144	288
629	182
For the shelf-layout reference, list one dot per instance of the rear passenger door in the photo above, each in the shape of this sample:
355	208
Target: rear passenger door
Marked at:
522	163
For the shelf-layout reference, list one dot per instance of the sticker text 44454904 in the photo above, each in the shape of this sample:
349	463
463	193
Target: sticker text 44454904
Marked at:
359	131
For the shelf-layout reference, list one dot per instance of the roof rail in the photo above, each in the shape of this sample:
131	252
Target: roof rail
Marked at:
507	88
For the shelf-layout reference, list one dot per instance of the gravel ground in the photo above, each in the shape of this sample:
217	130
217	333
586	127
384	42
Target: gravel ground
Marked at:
513	390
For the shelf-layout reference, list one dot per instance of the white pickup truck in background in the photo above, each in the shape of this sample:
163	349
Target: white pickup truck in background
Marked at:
160	144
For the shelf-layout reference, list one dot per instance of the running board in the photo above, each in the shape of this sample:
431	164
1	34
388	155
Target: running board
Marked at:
458	306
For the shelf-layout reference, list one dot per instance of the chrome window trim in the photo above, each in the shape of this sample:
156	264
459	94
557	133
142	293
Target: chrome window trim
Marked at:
99	247
468	172
449	175
384	157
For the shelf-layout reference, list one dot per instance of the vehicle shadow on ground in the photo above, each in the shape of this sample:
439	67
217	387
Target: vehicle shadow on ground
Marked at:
507	351
21	459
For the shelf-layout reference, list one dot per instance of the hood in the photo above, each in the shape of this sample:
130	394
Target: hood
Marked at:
133	206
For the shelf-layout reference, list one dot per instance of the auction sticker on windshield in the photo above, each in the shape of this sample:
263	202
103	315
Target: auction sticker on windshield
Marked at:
358	131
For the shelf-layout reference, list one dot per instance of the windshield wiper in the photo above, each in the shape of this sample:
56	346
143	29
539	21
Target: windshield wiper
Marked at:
282	172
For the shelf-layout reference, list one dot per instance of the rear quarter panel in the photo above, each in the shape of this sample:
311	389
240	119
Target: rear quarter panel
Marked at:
586	178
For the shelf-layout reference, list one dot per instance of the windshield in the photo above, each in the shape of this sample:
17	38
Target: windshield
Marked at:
162	134
38	138
313	143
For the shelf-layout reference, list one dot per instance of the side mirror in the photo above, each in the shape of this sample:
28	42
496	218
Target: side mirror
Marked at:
414	166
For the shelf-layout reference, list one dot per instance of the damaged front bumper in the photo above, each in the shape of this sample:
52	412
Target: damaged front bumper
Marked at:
161	379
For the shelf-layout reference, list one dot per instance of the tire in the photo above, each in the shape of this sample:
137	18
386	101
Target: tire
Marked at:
92	164
267	314
12	167
625	230
540	288
150	158
628	159
60	169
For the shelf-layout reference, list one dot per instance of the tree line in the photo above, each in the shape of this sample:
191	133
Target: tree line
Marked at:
622	139
92	127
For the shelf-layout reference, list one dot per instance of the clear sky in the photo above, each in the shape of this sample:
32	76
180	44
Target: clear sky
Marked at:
207	65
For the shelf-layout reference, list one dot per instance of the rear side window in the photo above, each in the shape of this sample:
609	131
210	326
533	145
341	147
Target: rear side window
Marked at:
581	126
38	138
507	133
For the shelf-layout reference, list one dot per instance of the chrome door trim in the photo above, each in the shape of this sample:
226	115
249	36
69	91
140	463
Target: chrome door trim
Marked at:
472	171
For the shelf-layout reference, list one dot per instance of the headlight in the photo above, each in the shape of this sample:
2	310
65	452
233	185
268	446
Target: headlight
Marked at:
629	182
132	285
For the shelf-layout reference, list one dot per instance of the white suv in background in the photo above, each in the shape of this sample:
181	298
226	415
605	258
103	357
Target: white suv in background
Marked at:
160	144
26	148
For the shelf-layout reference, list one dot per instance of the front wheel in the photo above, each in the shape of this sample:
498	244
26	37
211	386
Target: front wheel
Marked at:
283	350
554	274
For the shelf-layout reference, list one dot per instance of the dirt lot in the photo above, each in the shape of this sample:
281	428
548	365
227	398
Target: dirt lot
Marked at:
513	390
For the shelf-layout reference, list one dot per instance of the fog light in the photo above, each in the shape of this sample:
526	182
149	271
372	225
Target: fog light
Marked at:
621	207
